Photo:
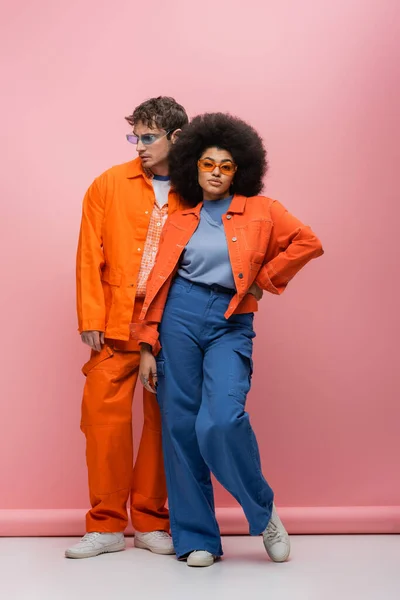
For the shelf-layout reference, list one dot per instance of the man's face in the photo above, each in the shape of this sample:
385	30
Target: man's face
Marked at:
155	153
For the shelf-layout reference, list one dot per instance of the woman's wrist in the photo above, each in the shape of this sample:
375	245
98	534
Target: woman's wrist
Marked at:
146	348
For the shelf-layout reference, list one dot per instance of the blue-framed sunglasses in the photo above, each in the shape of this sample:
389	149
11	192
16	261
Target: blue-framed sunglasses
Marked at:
147	138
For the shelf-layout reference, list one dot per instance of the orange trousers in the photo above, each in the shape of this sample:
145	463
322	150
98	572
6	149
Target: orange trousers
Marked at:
111	376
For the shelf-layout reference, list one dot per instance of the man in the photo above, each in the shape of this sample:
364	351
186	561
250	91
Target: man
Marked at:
124	211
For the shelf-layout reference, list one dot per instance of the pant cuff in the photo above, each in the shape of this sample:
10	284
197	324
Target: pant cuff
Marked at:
146	523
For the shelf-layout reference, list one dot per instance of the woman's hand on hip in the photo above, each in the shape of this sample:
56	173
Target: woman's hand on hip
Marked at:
256	291
148	370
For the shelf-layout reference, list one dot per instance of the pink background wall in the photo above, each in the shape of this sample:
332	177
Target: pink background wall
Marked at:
320	80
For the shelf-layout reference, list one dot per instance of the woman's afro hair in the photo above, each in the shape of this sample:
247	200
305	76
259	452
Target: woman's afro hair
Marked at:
225	132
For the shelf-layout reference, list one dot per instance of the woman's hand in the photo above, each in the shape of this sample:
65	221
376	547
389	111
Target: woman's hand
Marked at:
148	369
256	291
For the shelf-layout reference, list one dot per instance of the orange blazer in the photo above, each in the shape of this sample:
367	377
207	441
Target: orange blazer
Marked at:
115	219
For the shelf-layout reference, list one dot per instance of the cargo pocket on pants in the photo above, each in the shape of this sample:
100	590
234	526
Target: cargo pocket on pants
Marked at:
240	373
160	381
96	359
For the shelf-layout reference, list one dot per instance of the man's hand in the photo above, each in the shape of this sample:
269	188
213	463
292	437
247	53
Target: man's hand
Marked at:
94	339
256	291
148	369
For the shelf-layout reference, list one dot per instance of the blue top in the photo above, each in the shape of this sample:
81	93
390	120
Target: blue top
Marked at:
206	258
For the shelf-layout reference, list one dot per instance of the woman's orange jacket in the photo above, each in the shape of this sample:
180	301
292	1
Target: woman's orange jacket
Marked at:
266	245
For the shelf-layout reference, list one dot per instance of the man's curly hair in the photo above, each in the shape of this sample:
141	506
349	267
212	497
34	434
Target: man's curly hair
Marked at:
227	133
162	112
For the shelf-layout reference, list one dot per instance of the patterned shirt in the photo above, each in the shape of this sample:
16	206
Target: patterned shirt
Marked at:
157	221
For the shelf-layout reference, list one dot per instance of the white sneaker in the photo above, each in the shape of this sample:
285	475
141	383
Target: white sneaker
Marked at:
200	558
159	542
276	539
93	544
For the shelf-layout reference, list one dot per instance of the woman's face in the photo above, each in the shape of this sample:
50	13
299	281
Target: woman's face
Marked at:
216	170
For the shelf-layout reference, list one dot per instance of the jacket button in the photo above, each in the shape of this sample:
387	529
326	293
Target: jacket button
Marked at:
240	275
234	239
229	217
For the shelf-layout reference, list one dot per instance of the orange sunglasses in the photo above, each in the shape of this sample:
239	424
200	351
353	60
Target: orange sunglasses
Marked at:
208	165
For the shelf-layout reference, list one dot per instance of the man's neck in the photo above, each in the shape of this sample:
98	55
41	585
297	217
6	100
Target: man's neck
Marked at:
161	169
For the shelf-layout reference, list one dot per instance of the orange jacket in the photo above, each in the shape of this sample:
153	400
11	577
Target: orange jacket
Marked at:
266	244
115	219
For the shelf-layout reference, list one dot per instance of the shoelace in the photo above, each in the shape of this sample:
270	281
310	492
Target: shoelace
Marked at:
90	537
273	534
160	535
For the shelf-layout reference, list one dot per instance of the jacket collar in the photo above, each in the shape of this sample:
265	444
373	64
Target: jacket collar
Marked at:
135	169
238	205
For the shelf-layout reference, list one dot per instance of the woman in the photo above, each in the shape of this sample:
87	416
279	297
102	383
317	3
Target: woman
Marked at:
215	260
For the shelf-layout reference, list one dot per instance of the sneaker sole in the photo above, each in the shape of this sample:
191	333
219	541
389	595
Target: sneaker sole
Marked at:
207	563
114	548
144	546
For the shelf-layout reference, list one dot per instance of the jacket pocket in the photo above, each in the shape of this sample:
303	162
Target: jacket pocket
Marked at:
255	268
111	282
111	276
255	237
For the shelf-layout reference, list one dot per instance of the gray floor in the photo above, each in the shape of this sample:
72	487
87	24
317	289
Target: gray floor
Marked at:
321	568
